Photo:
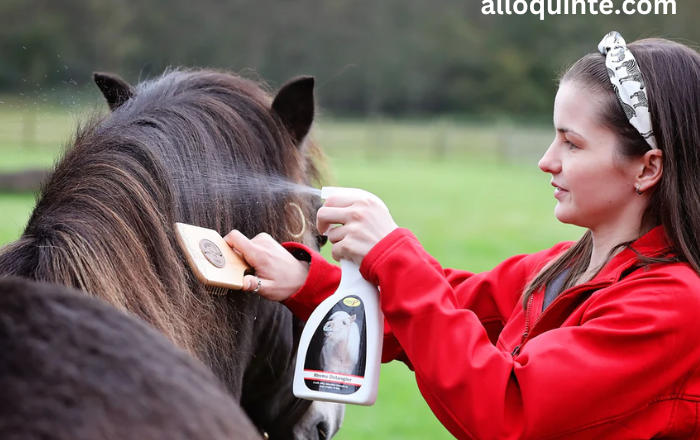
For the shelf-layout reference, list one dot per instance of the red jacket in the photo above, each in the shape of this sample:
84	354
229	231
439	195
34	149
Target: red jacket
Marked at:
613	358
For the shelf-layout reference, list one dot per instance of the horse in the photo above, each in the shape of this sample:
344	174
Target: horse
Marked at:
341	343
75	368
202	147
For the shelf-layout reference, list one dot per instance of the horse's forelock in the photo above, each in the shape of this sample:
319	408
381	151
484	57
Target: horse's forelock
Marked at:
230	145
198	147
178	150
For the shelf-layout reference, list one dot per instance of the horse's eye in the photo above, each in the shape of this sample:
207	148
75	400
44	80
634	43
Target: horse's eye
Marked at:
323	430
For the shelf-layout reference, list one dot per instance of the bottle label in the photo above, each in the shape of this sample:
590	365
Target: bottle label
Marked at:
335	360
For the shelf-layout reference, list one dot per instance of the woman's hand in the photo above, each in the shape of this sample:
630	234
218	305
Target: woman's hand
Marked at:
364	220
280	274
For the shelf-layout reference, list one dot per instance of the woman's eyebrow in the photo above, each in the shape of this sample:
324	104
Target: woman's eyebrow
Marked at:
568	130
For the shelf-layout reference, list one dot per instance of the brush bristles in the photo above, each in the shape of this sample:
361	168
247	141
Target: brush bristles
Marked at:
217	291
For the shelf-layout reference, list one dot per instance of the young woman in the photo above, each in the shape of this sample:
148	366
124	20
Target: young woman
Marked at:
592	340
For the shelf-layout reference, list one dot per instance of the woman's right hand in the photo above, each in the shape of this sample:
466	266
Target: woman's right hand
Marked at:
280	274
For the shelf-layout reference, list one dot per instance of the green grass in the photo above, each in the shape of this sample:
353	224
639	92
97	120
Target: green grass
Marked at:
471	209
31	134
18	158
14	213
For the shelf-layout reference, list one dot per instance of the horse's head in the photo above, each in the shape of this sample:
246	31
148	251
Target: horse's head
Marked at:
205	148
235	156
341	343
338	322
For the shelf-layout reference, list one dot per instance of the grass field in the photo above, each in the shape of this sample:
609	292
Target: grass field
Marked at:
468	206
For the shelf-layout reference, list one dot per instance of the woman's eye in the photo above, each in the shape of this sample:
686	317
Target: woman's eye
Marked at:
570	144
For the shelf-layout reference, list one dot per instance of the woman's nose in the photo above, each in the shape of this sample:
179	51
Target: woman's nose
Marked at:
549	162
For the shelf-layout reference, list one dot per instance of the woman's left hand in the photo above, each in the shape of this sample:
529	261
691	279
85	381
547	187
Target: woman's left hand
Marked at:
364	220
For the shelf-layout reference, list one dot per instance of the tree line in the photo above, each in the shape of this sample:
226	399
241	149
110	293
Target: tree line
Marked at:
370	57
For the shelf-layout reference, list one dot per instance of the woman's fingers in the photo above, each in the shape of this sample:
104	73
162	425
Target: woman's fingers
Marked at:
337	233
344	208
343	200
340	251
363	221
264	238
277	272
329	215
267	287
242	244
250	282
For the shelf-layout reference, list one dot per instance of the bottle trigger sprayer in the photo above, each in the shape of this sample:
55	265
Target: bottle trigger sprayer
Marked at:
341	346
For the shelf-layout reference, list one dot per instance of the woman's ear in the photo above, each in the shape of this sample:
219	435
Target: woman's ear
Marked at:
651	171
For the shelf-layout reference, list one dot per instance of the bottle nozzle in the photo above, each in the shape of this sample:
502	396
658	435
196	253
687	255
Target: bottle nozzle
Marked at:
328	191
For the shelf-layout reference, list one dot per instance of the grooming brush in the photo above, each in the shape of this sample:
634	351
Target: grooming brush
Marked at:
212	260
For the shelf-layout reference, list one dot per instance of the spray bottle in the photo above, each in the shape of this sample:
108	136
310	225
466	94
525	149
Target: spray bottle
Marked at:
341	346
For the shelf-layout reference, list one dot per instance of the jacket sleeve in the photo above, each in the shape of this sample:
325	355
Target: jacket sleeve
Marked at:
321	282
472	291
631	348
492	295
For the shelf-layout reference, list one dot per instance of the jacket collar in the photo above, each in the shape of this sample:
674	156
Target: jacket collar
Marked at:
654	243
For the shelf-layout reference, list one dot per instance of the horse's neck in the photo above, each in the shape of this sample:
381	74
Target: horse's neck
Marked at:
340	348
270	339
269	368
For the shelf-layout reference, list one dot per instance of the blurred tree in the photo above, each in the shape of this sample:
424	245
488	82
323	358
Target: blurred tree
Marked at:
399	57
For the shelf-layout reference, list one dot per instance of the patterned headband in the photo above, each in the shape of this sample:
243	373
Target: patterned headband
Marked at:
628	84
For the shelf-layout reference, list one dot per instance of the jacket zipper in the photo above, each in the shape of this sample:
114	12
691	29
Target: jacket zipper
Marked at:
516	350
587	285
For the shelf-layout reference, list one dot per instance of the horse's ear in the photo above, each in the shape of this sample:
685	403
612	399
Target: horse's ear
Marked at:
115	90
294	104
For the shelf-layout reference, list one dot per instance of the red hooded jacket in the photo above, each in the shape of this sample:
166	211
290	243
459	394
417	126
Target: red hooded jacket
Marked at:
613	358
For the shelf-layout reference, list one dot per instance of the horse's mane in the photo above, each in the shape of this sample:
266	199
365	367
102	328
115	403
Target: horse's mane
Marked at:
194	146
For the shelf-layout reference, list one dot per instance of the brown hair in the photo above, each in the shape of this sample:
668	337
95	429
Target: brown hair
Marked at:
196	146
75	368
671	73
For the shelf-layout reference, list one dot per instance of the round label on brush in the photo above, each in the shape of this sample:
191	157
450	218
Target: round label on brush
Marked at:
335	360
212	253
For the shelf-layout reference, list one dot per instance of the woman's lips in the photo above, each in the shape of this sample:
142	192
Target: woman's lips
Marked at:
559	192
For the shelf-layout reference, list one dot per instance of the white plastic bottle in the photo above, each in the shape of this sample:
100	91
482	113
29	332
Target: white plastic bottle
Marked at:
341	346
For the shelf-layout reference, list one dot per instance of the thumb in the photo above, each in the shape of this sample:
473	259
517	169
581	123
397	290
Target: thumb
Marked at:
242	244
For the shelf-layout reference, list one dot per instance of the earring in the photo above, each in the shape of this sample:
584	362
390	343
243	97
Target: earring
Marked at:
638	191
303	220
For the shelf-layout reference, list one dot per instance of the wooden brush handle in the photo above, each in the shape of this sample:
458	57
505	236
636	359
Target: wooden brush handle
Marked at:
211	259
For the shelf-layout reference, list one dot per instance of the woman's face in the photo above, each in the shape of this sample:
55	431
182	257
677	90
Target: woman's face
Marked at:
593	188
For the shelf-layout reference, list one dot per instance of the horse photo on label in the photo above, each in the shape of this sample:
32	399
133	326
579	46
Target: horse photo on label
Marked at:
336	358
